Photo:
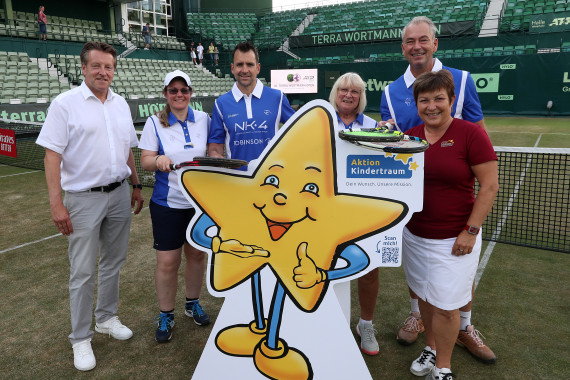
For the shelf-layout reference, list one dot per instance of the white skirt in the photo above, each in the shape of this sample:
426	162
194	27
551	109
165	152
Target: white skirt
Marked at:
437	276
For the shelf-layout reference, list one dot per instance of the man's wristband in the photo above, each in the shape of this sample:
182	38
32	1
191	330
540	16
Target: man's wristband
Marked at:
137	186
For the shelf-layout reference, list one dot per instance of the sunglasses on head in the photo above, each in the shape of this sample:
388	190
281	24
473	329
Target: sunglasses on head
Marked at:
174	91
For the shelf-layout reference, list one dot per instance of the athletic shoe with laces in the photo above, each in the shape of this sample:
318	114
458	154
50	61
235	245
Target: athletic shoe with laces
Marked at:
424	363
114	328
368	342
164	323
471	340
194	310
83	358
440	374
408	334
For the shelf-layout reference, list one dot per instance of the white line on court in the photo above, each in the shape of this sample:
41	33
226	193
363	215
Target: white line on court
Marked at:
30	243
531	133
487	254
11	175
40	240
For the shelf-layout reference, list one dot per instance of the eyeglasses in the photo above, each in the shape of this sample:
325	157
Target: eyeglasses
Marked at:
174	91
344	91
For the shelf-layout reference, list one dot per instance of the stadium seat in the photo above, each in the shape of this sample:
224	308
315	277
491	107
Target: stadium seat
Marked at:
530	49
509	50
520	49
498	51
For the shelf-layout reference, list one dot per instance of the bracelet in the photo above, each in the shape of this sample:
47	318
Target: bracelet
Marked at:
156	161
137	186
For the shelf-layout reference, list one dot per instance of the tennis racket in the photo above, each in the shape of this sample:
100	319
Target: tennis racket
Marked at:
230	163
381	134
408	144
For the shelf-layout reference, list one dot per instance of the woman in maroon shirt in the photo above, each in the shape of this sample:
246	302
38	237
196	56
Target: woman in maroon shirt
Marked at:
442	243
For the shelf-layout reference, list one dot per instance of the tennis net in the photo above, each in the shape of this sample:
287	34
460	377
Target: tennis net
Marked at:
532	205
531	208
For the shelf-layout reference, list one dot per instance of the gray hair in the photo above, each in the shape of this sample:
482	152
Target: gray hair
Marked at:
418	20
349	80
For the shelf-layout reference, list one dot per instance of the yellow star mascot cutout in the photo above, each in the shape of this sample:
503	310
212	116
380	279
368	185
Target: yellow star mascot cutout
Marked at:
285	214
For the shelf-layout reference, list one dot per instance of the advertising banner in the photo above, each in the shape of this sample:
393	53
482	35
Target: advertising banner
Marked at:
295	81
549	22
375	35
8	143
511	84
141	109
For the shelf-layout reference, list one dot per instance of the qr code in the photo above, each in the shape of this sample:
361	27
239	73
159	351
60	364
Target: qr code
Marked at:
390	255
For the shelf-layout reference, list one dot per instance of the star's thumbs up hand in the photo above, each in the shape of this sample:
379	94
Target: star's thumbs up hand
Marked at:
306	274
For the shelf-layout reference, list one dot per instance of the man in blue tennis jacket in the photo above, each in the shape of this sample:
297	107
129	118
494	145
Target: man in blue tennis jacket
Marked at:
246	117
418	46
399	108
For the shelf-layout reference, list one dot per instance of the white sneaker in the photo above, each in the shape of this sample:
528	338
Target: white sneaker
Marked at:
368	342
423	365
114	328
83	357
440	374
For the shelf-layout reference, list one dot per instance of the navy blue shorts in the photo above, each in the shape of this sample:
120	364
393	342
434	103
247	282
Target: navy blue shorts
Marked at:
169	226
43	28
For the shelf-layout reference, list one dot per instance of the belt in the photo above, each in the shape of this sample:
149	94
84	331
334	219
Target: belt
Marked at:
107	188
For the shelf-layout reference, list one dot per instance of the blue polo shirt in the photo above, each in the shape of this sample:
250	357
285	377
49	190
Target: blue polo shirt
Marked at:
181	141
361	121
398	99
245	124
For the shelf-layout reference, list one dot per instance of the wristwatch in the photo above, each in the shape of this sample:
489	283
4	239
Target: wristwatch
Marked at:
137	186
472	229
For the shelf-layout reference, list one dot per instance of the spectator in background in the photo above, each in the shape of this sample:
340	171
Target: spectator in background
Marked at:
42	22
146	35
193	55
216	55
88	134
419	43
211	52
174	135
200	51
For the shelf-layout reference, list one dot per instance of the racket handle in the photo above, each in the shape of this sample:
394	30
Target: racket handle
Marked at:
174	166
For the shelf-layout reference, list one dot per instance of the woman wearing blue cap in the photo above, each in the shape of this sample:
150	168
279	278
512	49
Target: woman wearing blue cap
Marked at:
175	134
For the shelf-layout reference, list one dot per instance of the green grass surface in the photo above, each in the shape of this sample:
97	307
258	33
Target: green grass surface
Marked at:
521	303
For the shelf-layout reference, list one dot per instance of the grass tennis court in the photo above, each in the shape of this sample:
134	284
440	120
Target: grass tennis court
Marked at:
521	303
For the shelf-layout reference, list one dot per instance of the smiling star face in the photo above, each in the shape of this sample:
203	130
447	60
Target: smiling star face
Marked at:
289	199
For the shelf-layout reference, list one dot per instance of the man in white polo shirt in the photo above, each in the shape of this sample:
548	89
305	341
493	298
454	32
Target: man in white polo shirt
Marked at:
88	135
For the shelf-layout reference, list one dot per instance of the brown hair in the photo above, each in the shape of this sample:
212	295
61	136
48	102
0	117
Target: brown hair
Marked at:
165	112
244	47
433	81
96	45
